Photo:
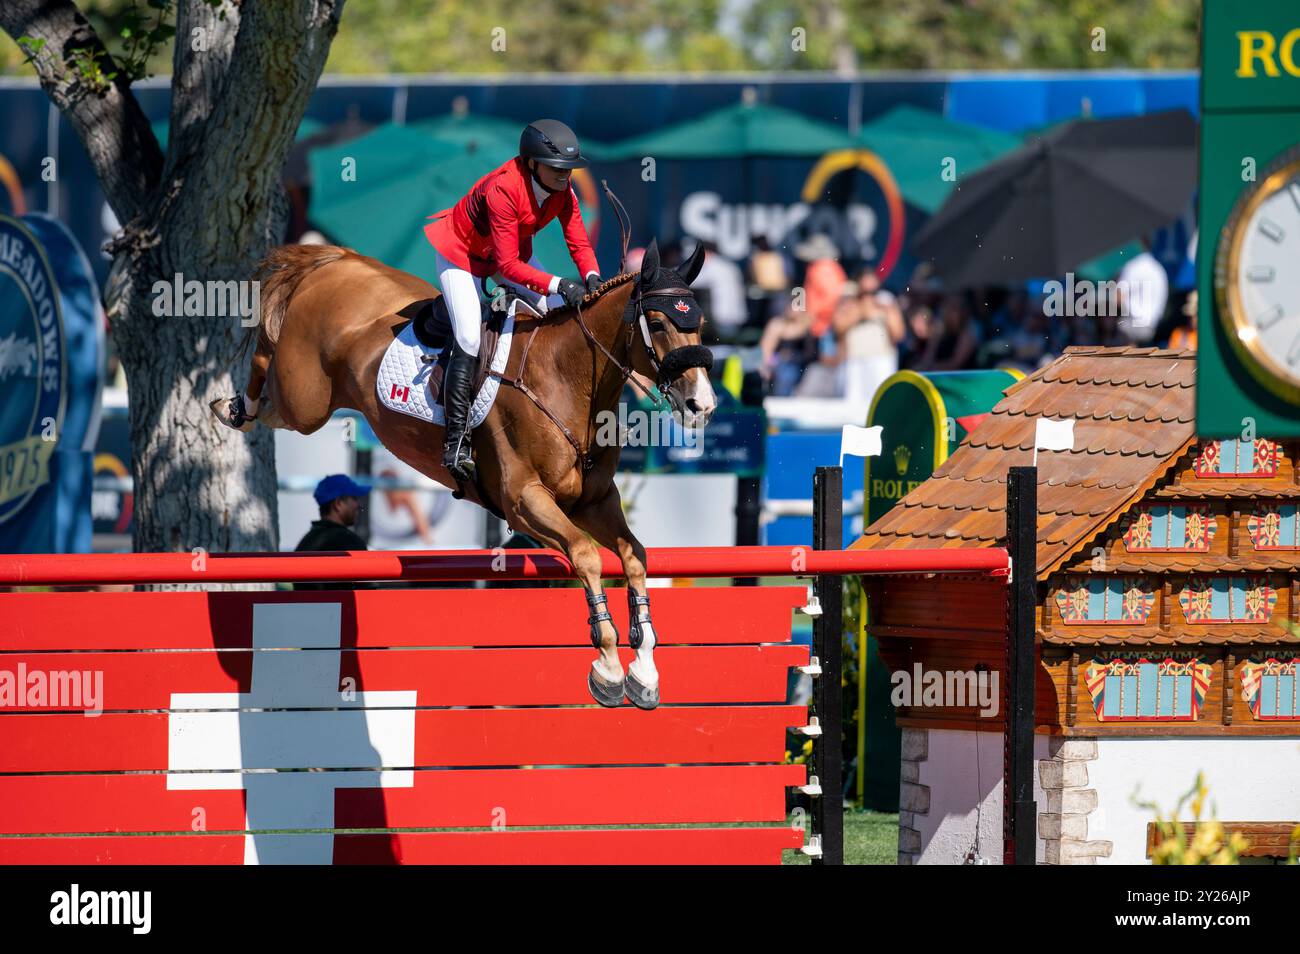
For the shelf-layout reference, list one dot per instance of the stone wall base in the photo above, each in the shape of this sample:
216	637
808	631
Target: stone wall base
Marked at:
913	798
1063	827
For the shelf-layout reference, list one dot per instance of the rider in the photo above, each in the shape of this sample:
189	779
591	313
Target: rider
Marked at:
489	233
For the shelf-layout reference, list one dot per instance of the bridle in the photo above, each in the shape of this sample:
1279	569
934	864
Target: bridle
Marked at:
677	361
674	364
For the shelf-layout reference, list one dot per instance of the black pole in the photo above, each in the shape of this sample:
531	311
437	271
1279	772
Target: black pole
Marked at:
748	510
1021	819
828	635
361	464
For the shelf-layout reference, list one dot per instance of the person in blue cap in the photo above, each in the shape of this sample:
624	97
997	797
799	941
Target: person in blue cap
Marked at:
339	498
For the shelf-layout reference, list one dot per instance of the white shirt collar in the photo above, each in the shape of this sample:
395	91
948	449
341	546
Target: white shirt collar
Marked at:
541	194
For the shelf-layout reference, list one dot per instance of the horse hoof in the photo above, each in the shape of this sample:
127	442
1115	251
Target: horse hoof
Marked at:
640	695
608	694
222	410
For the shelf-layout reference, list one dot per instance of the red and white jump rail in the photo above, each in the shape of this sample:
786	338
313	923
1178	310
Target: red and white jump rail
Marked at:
174	727
470	565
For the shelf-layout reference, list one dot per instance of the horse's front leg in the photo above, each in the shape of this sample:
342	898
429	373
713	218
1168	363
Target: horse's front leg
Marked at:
538	515
242	411
605	521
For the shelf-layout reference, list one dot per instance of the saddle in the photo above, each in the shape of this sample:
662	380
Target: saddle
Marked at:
433	329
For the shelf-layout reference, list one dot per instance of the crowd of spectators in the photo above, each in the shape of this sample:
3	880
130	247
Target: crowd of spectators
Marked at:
825	333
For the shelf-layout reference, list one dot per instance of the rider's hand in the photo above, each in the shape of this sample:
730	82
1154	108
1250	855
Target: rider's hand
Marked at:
593	282
571	292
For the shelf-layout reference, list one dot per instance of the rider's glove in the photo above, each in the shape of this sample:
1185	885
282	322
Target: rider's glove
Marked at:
593	282
571	292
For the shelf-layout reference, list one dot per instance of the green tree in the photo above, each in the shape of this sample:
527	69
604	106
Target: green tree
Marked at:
979	34
501	36
676	36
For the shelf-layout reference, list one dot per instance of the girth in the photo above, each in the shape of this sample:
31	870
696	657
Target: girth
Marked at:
519	385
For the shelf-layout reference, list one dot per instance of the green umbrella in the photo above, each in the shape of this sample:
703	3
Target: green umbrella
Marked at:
403	176
477	133
490	134
915	143
735	132
382	155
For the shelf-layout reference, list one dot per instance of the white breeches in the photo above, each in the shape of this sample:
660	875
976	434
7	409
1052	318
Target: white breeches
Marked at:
465	294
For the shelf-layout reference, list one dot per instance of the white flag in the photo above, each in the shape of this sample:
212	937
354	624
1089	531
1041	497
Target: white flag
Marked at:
1054	435
860	441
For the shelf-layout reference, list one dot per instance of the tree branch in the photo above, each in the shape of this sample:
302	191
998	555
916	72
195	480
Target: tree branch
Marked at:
205	41
249	98
109	122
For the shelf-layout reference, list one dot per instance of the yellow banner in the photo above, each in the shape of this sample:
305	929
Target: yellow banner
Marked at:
24	466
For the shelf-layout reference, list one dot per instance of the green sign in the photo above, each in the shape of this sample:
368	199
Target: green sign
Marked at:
1248	334
923	418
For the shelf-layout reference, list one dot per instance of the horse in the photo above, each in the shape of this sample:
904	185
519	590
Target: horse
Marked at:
328	315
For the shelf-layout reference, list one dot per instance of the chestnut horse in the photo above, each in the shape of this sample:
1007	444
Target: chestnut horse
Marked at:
328	316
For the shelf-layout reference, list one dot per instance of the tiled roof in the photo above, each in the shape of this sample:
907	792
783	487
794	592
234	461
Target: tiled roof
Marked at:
1134	414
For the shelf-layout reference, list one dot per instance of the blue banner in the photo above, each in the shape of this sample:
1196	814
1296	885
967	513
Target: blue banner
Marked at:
51	329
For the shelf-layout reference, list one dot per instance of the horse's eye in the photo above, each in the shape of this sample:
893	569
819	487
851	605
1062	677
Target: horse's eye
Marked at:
655	324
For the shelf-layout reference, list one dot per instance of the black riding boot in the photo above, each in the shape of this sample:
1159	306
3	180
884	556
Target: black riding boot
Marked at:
458	385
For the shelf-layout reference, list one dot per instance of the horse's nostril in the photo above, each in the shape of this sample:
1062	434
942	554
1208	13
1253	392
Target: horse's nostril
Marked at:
693	405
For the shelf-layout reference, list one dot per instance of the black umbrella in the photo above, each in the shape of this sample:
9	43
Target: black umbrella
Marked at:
1062	199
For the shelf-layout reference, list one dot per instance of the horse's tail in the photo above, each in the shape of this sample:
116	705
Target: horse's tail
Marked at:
279	275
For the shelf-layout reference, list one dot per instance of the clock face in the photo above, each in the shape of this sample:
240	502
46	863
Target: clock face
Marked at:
1257	279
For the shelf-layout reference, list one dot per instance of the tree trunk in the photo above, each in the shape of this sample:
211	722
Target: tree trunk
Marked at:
205	212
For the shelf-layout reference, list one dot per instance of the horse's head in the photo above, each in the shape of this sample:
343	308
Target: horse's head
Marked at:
668	323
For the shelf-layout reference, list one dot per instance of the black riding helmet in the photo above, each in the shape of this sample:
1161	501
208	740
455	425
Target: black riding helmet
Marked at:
551	143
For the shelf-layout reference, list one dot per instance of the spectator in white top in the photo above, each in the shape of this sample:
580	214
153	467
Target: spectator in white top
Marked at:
870	333
1143	294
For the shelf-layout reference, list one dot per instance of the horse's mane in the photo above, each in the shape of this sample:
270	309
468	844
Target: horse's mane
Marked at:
564	312
622	278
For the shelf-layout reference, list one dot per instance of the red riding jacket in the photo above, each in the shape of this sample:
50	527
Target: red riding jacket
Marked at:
491	229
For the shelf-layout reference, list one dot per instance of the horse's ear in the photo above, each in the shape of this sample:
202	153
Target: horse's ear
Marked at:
691	268
650	262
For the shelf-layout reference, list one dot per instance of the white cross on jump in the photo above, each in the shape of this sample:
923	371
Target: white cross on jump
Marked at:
210	747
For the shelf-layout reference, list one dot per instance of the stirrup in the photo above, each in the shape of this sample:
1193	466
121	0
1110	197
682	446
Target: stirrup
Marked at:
459	460
635	635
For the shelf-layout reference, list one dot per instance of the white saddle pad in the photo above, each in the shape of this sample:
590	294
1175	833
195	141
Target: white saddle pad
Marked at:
403	380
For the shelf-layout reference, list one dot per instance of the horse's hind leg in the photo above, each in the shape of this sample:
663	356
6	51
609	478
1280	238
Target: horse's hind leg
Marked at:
538	515
605	521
